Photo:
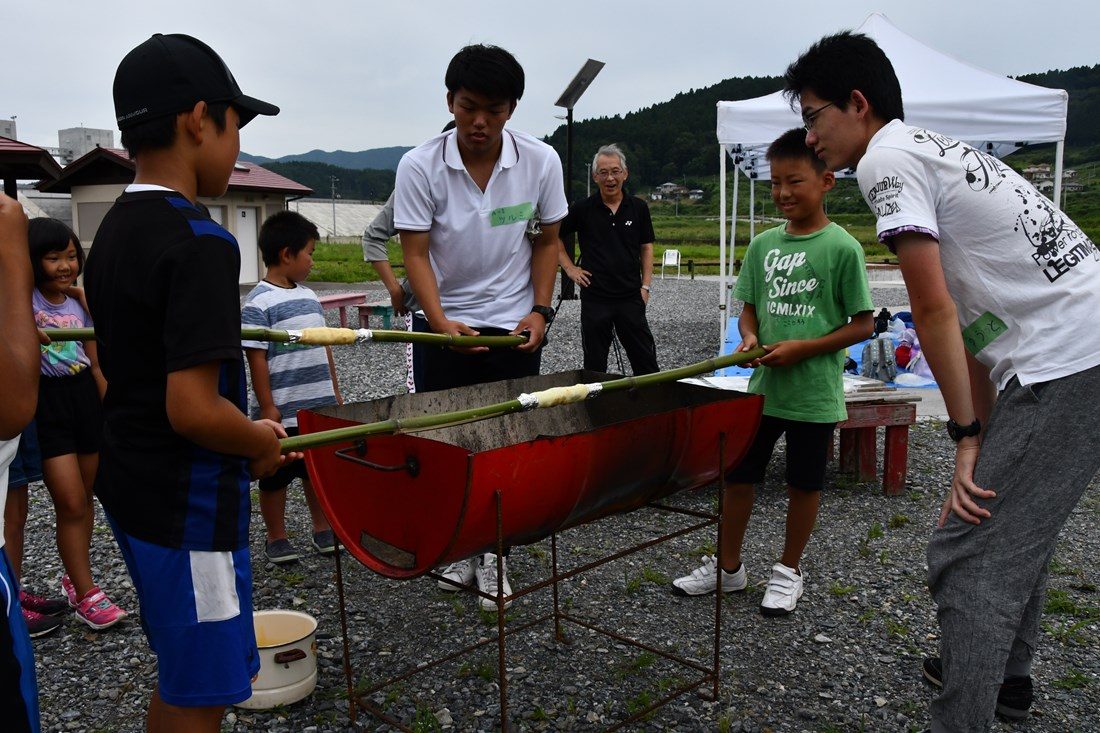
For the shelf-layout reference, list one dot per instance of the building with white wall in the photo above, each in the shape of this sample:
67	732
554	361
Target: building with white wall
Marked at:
98	178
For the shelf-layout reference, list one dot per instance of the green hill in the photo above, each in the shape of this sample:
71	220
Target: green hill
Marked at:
675	140
360	184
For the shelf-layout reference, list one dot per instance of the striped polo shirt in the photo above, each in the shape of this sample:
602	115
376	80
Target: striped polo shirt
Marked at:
300	376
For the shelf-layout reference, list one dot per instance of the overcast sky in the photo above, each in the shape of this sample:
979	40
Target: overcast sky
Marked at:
357	75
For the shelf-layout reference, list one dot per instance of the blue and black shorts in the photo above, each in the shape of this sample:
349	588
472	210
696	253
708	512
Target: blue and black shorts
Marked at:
196	610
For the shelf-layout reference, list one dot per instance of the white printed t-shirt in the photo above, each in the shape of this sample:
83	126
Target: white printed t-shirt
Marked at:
1023	276
477	241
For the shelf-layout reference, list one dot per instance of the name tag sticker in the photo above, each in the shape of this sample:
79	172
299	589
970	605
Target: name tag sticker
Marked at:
986	329
506	215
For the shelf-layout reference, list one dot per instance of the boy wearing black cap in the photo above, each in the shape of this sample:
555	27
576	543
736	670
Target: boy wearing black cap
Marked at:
178	448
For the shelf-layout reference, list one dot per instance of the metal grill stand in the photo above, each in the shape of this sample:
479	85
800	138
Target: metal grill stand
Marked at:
359	699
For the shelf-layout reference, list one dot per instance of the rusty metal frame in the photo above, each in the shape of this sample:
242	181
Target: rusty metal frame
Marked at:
358	700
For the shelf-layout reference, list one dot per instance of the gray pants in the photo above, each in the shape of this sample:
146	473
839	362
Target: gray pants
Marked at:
989	580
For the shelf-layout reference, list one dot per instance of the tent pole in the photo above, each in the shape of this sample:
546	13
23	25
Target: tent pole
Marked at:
1059	152
733	239
721	246
752	209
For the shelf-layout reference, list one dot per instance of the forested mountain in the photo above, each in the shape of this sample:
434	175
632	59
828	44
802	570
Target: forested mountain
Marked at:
376	158
1083	85
675	140
670	141
366	185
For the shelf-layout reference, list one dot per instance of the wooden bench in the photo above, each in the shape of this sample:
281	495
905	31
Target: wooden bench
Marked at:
869	407
342	301
382	308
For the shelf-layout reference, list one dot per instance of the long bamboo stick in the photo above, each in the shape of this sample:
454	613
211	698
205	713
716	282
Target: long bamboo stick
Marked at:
545	398
332	336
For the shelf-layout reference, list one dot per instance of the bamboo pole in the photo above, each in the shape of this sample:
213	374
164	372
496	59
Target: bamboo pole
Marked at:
546	398
332	336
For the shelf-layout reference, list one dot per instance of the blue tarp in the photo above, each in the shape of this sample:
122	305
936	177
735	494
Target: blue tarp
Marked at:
855	351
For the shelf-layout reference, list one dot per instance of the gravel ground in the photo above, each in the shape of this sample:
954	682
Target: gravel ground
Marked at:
848	659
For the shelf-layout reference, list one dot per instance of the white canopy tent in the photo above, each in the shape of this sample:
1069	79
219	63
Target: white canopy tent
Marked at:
942	93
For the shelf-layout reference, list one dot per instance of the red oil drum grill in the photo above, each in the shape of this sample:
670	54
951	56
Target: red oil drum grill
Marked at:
406	504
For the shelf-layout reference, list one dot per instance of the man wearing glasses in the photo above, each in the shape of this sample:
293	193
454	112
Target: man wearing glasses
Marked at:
999	281
616	240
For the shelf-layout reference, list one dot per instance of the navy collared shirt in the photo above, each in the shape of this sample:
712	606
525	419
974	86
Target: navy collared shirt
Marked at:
611	244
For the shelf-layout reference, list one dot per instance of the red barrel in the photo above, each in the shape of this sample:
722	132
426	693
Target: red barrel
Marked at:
405	504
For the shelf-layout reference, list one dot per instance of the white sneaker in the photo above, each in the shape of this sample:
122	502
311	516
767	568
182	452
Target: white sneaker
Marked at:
704	579
461	572
486	572
783	591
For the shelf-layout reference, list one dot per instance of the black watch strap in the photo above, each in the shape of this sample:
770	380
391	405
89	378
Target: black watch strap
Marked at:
545	311
958	432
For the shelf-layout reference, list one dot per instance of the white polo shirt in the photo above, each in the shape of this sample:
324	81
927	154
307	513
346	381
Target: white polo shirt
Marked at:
477	240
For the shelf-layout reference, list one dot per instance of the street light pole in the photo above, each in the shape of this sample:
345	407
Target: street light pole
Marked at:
567	100
588	173
335	180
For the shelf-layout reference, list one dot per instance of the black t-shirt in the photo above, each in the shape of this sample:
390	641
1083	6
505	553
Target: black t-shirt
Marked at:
162	287
611	244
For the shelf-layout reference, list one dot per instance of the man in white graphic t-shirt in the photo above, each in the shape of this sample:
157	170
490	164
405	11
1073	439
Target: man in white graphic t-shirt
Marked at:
999	282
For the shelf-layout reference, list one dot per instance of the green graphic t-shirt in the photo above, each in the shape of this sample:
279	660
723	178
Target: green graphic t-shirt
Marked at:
803	287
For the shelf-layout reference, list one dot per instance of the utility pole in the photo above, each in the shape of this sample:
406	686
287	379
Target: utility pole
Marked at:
335	180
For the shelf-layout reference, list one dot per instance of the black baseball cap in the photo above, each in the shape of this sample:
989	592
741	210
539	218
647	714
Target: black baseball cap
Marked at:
169	73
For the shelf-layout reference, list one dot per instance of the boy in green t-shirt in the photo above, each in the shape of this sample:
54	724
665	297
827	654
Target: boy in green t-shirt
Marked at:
806	300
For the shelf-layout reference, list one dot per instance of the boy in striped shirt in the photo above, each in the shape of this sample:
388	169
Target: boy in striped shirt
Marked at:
288	377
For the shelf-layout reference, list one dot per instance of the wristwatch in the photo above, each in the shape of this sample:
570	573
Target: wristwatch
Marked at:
546	312
645	288
958	432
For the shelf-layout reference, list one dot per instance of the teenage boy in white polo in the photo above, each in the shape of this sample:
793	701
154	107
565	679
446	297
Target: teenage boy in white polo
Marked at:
462	204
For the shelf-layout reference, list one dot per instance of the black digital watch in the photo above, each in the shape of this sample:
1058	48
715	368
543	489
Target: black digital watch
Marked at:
546	312
958	432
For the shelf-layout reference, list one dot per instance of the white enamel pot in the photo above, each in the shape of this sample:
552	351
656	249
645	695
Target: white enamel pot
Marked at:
287	641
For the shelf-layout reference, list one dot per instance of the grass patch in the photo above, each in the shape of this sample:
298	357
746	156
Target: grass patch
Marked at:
290	578
1073	680
424	721
897	521
633	583
638	703
667	684
705	548
1060	602
839	590
896	628
483	670
489	618
875	532
637	665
